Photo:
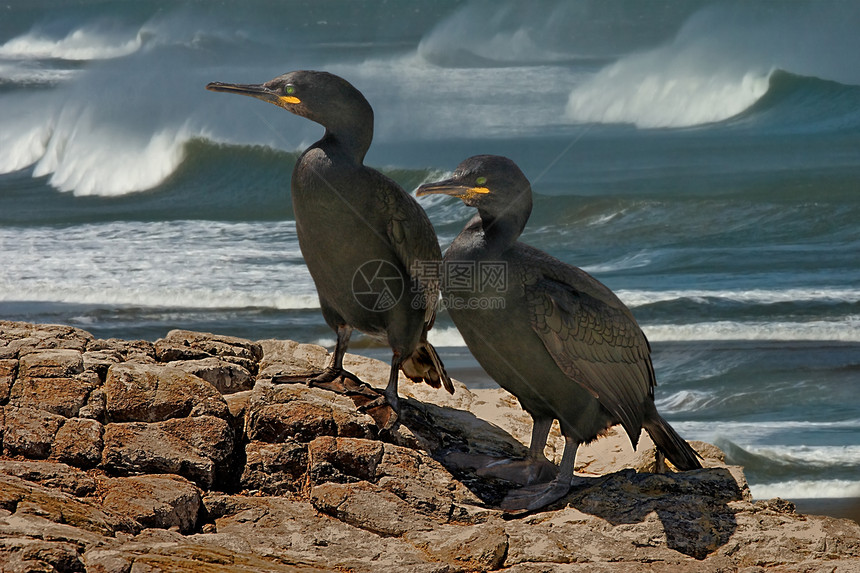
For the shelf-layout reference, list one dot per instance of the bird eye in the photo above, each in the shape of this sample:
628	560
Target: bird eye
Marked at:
481	180
290	90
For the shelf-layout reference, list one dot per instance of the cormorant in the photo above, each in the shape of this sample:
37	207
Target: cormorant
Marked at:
362	236
551	334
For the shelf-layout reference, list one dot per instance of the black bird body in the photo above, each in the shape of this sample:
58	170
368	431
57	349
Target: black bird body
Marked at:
552	335
339	231
354	223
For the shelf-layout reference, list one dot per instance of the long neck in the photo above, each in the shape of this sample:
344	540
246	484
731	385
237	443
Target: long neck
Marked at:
352	134
501	230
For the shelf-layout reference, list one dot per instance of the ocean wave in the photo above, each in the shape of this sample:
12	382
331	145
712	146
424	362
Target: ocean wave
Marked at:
846	330
635	298
807	489
160	296
87	43
448	336
721	63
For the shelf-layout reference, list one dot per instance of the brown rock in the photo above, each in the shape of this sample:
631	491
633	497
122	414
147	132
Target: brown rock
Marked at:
275	469
294	411
152	392
20	338
197	448
161	501
79	443
468	547
33	507
225	376
55	363
8	371
51	475
59	395
343	460
29	432
290	358
366	506
188	345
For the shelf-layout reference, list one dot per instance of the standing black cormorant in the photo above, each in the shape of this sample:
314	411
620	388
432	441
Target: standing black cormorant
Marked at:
360	233
551	334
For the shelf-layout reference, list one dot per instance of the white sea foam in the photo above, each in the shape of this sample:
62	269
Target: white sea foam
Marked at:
806	489
79	44
634	298
187	264
748	434
845	330
686	401
449	336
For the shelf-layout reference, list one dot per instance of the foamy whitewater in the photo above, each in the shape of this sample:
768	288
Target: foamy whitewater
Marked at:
700	158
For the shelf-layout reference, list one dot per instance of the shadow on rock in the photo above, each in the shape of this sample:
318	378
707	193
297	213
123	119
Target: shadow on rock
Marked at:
692	506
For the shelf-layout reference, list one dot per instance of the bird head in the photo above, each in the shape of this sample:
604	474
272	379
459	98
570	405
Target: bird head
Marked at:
491	183
319	96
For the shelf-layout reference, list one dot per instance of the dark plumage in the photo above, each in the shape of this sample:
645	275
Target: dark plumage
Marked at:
358	230
560	341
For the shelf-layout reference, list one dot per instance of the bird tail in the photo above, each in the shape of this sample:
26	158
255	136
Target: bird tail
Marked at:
671	444
425	366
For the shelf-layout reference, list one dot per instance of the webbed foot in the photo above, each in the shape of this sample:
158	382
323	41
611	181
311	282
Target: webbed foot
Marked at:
523	472
532	497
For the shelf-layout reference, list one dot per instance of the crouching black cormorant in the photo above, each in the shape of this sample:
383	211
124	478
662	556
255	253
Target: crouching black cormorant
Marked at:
554	336
362	236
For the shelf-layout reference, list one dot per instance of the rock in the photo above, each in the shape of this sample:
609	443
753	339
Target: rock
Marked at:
187	345
161	501
51	475
63	396
293	411
57	363
274	469
21	338
290	358
8	371
29	432
197	448
153	392
283	477
79	442
226	377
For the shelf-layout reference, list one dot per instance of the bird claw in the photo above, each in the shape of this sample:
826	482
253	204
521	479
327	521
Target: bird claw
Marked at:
338	380
383	411
532	497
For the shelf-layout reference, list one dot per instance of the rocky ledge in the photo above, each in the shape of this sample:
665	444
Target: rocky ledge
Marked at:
183	455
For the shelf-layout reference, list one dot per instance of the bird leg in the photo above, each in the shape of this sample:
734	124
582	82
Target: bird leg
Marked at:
349	381
536	496
389	399
535	468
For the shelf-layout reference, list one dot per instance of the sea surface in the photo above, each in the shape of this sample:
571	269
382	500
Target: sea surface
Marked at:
702	159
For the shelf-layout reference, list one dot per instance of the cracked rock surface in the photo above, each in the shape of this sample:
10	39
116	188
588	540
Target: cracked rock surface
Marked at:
183	455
